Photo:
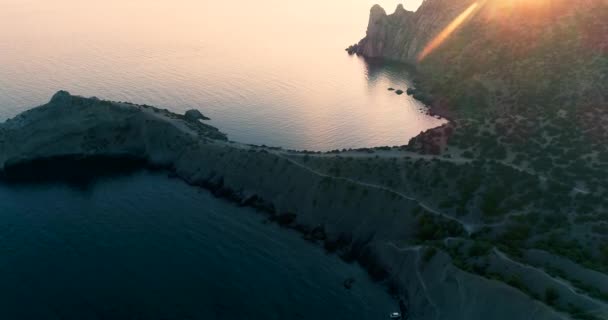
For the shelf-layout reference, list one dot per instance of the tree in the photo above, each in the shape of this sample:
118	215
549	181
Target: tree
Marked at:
604	252
551	296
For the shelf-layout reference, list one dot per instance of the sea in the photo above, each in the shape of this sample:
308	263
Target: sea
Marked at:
142	245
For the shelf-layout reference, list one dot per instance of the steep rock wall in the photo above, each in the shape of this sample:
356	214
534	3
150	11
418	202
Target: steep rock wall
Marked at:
403	34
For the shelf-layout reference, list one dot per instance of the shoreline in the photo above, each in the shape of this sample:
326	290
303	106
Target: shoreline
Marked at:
368	223
52	170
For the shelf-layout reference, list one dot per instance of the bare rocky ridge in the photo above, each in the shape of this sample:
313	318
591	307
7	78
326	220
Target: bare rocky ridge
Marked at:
372	223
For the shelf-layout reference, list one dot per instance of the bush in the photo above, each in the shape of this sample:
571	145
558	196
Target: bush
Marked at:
601	229
479	249
604	252
551	296
491	201
516	234
429	254
435	228
516	282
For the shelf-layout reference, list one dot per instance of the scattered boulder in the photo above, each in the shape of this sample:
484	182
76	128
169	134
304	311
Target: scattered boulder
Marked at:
353	49
285	219
194	115
391	89
318	233
61	97
348	283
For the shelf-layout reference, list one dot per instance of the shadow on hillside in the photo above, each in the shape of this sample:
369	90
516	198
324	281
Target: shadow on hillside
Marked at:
75	171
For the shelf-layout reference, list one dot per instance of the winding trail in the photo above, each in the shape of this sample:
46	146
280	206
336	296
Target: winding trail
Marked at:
469	228
542	177
452	159
602	306
417	249
394	154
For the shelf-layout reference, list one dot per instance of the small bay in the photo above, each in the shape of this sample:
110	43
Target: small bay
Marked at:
143	246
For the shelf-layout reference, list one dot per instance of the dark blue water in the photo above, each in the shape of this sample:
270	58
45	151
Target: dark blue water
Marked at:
144	246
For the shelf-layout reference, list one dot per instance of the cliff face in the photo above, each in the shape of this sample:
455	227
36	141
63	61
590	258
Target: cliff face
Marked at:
403	34
503	54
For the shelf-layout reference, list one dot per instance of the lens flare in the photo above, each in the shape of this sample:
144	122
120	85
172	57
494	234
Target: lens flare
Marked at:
447	31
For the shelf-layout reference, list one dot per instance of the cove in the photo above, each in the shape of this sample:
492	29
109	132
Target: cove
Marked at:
140	245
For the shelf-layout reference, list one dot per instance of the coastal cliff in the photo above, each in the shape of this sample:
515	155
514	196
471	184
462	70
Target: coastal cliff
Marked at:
495	56
402	35
334	199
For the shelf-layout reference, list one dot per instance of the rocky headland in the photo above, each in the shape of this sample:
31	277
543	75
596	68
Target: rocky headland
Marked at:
499	214
502	56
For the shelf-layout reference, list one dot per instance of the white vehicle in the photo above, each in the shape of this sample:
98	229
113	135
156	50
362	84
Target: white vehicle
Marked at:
395	315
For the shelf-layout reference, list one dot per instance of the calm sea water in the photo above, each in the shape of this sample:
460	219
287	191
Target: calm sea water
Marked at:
267	72
147	247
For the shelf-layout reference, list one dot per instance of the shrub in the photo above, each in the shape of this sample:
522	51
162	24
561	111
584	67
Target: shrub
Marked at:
551	296
604	252
479	249
429	254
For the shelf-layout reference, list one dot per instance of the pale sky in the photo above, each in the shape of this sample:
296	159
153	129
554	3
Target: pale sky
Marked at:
347	19
390	5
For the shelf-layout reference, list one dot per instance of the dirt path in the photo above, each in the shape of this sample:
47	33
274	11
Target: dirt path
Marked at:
602	306
469	228
417	250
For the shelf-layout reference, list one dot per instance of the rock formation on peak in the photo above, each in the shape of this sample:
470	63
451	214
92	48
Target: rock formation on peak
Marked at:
194	115
400	9
61	97
377	9
519	49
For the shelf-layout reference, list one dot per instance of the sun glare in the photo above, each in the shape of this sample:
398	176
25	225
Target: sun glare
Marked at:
447	31
532	8
525	3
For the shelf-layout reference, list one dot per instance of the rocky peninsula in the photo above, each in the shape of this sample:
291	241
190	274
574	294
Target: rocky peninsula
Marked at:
346	201
499	214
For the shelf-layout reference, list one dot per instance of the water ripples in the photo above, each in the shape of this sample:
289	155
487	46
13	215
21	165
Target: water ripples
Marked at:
293	95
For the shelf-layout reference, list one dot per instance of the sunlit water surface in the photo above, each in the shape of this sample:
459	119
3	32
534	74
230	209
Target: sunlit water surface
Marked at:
267	72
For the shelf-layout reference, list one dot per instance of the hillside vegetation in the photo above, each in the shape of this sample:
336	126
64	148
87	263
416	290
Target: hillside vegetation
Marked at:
524	159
